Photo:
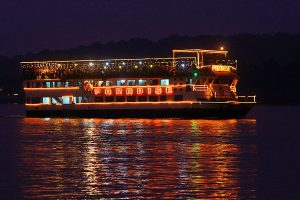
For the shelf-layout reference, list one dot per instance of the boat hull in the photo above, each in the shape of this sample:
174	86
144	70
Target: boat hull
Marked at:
218	110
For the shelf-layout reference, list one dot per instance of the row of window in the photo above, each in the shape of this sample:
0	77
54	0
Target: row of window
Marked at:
99	83
99	99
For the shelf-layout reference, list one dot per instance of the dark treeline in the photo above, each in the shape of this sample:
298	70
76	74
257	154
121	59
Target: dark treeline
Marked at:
269	65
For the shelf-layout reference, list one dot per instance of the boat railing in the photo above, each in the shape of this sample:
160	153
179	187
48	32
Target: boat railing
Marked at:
200	88
109	67
220	63
224	98
232	63
247	98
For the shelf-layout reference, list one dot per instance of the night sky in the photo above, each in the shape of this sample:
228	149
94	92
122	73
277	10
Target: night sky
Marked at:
34	25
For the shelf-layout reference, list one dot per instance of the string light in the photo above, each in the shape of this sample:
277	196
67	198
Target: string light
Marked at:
98	68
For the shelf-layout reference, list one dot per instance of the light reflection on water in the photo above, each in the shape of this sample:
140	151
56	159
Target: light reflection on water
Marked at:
138	158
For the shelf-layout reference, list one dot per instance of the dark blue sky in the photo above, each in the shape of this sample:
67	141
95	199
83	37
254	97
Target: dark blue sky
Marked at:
33	25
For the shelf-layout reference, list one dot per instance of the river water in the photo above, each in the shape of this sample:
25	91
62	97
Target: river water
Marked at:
61	158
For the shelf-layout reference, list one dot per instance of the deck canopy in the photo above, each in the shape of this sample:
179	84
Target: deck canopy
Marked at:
140	67
143	67
203	56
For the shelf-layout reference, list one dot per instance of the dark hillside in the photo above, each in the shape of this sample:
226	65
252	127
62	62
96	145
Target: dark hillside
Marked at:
268	64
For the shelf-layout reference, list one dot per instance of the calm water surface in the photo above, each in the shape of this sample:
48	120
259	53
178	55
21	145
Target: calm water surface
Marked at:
56	158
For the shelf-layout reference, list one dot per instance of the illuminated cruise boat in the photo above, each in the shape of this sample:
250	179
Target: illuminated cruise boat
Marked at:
193	83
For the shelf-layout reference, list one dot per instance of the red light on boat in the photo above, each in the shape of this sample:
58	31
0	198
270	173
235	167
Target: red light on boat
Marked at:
140	91
129	91
97	91
169	90
108	92
119	91
158	91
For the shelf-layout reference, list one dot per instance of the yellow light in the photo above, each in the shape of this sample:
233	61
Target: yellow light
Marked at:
221	68
221	48
116	103
77	88
53	89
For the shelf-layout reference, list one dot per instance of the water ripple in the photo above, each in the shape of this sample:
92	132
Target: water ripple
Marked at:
138	158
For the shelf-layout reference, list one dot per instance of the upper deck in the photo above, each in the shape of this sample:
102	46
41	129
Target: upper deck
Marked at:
139	67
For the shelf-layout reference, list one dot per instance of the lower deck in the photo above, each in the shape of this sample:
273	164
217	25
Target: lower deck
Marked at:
188	109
